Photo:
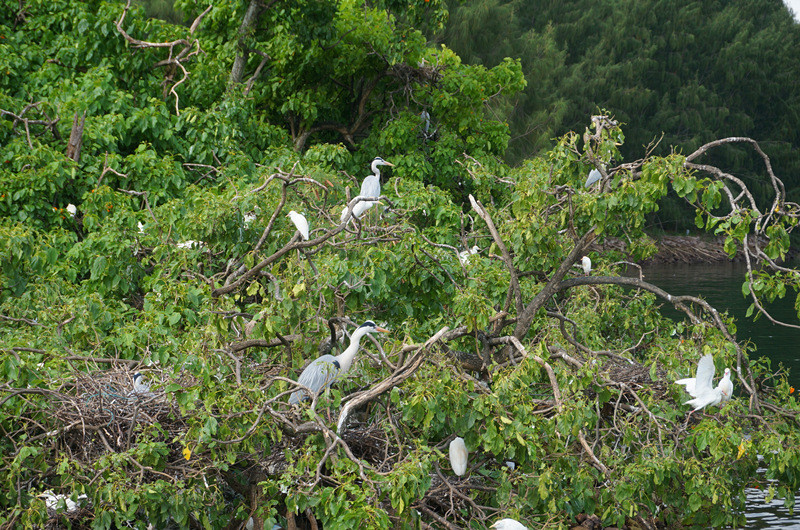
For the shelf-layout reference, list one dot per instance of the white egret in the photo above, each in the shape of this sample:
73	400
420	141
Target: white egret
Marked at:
586	263
593	177
322	372
701	389
72	209
508	524
140	226
464	255
726	385
191	244
300	222
458	456
371	187
51	501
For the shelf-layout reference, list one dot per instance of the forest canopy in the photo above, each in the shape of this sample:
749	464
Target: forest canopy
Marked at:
158	303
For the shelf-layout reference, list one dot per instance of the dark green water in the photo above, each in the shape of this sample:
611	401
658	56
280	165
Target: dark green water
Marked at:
721	286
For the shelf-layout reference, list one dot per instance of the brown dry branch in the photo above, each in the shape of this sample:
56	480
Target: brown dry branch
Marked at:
401	374
49	124
238	278
188	49
742	203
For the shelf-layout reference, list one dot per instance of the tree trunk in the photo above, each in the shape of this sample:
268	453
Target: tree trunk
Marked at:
248	23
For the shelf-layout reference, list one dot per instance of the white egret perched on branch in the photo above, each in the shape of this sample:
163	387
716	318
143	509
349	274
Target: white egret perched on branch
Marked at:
586	263
508	524
464	255
322	372
700	386
370	188
458	456
300	222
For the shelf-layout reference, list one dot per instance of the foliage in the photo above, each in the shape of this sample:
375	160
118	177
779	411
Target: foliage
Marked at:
179	262
689	71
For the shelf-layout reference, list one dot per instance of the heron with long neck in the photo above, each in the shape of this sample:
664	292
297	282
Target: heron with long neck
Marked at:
323	371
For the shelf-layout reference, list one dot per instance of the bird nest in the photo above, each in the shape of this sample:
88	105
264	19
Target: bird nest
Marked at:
100	412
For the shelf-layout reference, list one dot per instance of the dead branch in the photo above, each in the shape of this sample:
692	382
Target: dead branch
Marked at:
176	60
400	375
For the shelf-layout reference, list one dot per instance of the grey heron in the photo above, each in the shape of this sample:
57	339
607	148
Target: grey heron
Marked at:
593	177
140	386
323	371
458	456
300	222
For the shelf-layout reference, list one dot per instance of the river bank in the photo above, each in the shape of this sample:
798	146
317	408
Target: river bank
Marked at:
686	250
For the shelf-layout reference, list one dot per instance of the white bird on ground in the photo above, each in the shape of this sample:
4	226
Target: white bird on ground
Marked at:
593	177
322	372
586	263
700	386
458	456
464	255
300	222
508	524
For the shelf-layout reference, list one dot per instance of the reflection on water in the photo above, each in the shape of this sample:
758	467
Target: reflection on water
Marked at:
721	286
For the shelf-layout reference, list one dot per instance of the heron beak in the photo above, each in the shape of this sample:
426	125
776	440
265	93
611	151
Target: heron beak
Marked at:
383	330
388	163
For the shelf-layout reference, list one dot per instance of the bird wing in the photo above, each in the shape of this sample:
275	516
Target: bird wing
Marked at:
707	399
300	222
704	376
593	177
371	187
317	376
688	382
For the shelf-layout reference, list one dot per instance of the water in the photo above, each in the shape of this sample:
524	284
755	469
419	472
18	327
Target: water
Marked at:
721	286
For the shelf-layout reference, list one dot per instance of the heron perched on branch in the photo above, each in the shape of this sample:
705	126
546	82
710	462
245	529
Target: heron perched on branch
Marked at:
323	371
370	188
300	222
458	456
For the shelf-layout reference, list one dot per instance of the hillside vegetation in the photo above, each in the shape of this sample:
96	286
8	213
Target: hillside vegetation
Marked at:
146	177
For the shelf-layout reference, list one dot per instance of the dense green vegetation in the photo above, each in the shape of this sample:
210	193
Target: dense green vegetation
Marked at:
690	71
161	245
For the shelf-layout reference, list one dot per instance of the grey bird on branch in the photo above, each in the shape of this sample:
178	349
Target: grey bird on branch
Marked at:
323	371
